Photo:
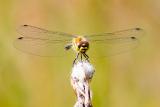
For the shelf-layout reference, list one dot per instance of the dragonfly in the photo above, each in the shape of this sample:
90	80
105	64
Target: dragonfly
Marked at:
42	42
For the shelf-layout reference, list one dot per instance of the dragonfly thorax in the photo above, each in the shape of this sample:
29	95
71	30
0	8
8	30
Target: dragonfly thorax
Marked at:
80	44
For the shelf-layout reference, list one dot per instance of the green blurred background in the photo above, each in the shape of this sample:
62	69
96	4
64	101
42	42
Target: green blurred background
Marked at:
126	80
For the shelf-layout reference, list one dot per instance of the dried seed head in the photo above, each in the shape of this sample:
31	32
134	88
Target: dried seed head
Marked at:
82	71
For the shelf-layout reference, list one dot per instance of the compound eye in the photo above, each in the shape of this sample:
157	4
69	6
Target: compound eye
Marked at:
79	45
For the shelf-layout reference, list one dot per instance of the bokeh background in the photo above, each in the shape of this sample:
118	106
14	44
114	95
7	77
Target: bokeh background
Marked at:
126	80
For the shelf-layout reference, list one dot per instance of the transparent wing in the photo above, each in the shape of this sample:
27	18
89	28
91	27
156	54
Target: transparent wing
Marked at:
108	44
41	42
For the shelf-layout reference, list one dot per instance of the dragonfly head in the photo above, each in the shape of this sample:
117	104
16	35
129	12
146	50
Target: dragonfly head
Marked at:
80	44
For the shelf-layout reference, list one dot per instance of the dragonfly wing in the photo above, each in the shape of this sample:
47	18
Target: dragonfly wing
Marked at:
41	42
114	43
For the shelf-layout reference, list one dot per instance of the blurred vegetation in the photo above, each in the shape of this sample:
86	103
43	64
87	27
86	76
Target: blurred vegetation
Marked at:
126	80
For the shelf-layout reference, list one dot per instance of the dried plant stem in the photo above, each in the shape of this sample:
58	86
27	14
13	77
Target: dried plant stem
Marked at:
81	76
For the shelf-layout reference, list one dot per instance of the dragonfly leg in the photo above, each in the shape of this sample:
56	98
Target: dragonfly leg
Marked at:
81	57
86	56
76	58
